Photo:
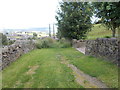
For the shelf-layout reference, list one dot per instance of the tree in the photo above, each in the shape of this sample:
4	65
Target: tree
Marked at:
98	22
109	12
4	39
34	35
73	20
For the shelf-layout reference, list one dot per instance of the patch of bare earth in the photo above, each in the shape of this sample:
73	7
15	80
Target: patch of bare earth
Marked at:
83	79
32	69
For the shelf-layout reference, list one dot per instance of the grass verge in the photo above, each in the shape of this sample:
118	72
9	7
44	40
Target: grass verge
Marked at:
101	69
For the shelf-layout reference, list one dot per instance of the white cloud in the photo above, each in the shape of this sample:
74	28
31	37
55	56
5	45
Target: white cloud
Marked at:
27	13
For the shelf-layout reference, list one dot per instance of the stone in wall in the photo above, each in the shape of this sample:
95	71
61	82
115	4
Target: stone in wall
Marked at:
78	43
106	48
14	51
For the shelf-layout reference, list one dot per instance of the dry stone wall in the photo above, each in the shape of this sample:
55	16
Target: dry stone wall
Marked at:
107	48
14	51
78	43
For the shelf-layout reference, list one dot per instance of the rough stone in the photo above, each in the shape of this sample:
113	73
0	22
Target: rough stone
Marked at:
14	51
107	48
78	43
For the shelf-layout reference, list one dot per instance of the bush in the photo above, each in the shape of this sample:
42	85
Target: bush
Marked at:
11	42
64	43
107	36
3	39
52	43
45	43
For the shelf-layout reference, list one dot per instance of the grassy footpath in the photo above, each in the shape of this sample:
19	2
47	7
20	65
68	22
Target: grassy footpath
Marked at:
99	31
39	69
42	69
101	69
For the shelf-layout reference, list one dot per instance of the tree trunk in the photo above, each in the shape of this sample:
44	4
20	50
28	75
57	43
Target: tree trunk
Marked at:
113	33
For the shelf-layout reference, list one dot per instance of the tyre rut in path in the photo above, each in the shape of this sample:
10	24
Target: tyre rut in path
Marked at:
82	78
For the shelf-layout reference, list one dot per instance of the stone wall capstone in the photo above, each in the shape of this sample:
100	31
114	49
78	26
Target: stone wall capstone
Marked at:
107	48
14	51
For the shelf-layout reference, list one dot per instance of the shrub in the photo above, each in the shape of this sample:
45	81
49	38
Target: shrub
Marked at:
4	39
11	42
107	36
52	43
39	44
65	43
45	43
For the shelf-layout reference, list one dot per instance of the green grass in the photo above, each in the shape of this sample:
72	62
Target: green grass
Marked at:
101	69
50	73
99	31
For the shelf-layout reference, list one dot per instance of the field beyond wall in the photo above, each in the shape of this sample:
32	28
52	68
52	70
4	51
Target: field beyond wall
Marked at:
99	31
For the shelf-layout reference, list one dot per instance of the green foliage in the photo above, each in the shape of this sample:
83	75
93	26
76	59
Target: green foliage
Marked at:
29	38
64	43
34	36
11	42
98	31
73	20
52	43
109	12
98	22
45	43
107	37
4	39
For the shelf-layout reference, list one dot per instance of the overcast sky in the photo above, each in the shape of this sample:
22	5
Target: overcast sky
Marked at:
23	14
17	14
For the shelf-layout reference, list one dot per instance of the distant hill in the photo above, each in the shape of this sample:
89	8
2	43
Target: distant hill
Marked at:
43	29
